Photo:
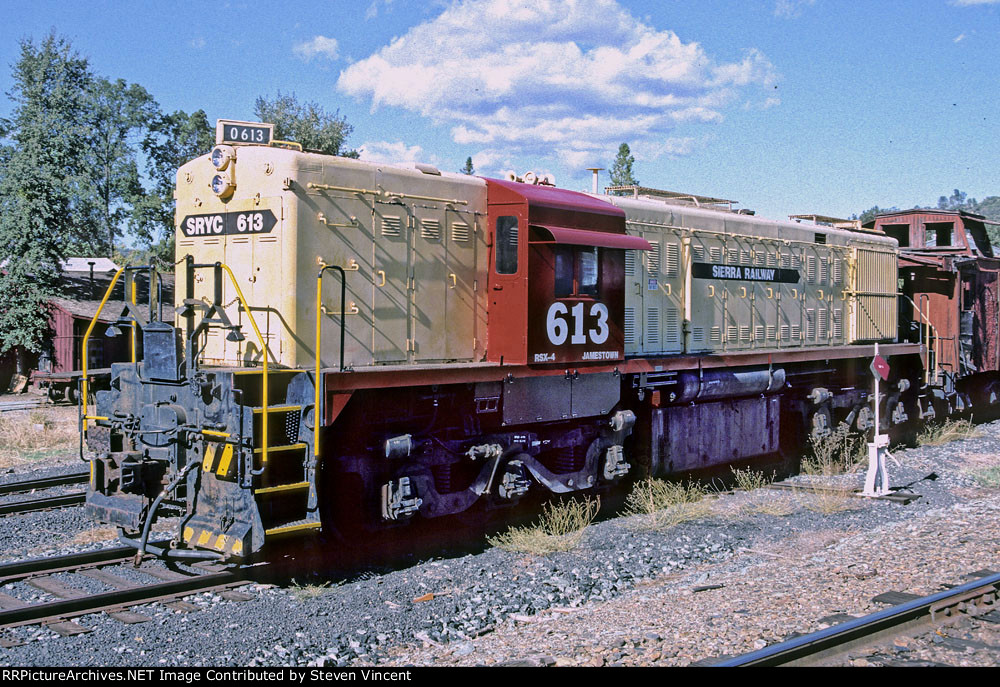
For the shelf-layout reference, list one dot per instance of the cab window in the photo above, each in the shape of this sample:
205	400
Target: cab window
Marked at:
506	243
577	270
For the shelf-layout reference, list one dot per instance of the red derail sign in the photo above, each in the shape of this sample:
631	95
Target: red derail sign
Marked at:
880	367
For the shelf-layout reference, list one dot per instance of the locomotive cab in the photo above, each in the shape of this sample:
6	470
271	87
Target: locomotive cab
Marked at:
557	269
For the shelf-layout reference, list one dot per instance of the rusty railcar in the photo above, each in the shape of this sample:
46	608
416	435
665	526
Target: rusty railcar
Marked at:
951	301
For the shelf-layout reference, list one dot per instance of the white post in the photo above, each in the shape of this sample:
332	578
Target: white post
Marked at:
877	479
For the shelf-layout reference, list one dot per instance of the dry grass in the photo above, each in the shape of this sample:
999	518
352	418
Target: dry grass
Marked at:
560	528
828	499
835	454
751	480
36	435
660	504
767	503
948	431
94	536
304	592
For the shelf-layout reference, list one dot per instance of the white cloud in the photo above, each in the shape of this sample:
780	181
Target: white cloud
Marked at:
969	3
395	152
568	79
372	10
791	8
197	43
319	46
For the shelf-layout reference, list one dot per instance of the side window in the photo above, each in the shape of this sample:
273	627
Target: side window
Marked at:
587	273
506	243
577	271
564	271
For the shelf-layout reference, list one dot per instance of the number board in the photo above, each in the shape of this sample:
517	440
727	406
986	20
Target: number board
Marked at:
228	131
218	223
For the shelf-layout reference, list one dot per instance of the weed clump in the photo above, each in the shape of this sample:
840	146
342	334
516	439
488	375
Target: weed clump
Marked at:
559	528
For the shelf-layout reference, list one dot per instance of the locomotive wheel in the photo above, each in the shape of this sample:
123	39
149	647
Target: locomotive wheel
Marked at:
55	393
821	424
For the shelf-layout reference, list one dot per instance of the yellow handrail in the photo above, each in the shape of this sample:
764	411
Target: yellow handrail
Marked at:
264	348
86	338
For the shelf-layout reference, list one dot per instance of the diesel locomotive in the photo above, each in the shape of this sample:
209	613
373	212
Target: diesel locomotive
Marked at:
362	346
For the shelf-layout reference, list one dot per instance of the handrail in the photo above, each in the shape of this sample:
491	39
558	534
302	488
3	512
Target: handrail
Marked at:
932	331
266	351
86	339
319	328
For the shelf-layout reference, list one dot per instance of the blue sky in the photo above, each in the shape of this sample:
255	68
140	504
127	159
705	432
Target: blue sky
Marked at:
788	106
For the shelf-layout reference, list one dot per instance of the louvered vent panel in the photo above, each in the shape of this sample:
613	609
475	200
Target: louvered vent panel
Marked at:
699	253
838	271
732	256
796	332
241	239
430	229
391	226
630	263
652	328
811	269
653	257
717	335
731	333
838	324
698	335
673	329
823	270
744	332
758	332
716	253
744	256
824	316
759	258
267	239
785	332
810	324
772	259
629	326
673	259
772	332
786	260
796	262
460	232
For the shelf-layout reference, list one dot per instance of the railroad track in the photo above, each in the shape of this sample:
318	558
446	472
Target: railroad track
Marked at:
977	598
42	502
164	586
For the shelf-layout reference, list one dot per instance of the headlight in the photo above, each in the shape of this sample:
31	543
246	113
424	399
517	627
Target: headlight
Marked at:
222	184
221	156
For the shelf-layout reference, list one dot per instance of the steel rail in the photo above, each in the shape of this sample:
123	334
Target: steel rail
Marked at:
17	570
44	482
117	599
844	633
44	503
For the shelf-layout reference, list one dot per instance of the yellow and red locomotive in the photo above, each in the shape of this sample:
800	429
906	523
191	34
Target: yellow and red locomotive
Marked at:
360	345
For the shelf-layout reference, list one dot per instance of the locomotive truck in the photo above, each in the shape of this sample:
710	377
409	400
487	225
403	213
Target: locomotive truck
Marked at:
361	346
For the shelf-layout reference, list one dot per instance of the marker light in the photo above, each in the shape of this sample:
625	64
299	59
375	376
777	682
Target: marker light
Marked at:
222	184
221	156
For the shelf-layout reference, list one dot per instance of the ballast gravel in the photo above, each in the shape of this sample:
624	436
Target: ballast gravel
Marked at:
759	566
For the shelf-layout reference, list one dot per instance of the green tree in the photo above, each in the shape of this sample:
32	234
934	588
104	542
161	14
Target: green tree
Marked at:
621	170
308	124
44	185
468	168
869	214
171	140
120	116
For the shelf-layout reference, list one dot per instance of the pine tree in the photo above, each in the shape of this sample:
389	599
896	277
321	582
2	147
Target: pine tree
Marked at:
621	170
43	186
468	168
